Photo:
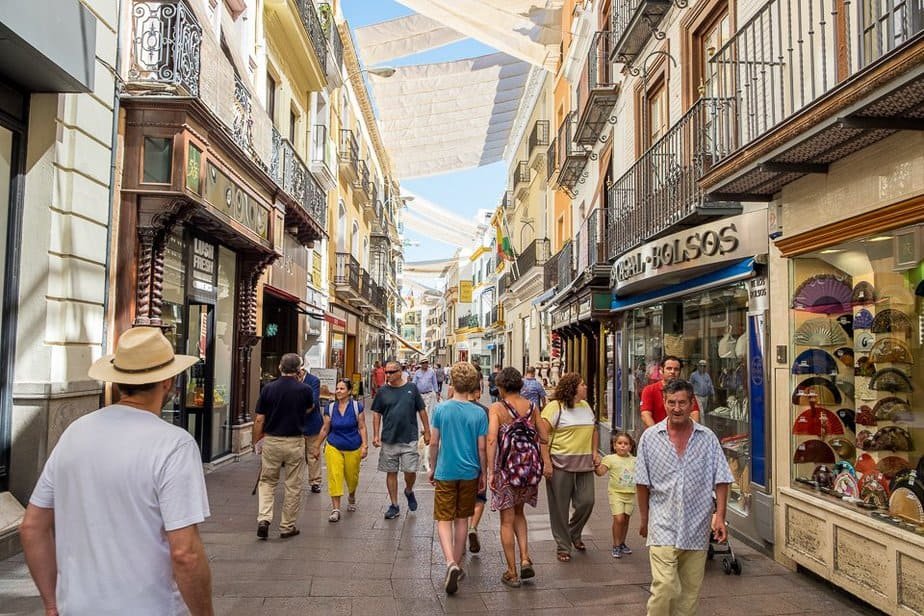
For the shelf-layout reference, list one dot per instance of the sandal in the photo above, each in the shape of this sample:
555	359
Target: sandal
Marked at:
526	570
579	546
510	579
564	557
334	516
352	505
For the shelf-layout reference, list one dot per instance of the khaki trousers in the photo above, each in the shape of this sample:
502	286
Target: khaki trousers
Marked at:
314	463
279	451
676	577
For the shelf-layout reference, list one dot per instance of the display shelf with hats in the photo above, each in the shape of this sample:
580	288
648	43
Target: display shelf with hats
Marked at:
857	433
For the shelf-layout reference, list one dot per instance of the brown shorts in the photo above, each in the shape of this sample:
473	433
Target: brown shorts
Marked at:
454	499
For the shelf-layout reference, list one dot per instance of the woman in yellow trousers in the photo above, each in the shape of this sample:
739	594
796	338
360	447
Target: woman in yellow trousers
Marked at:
345	431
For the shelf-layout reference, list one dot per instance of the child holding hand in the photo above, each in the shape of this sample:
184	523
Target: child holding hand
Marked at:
620	465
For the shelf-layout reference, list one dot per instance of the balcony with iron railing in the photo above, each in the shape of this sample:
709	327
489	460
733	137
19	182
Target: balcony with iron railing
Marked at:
468	321
592	246
347	276
537	145
348	154
534	255
323	157
507	200
660	192
565	265
550	271
570	158
362	184
634	23
313	29
597	90
794	82
521	177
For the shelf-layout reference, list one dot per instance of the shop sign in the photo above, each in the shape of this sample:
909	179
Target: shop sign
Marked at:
232	200
335	321
465	291
758	295
203	271
729	239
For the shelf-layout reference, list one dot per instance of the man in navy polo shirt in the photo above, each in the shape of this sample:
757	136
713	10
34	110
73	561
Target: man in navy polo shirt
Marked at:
312	430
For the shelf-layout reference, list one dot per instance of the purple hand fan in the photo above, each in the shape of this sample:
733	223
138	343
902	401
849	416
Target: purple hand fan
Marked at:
824	293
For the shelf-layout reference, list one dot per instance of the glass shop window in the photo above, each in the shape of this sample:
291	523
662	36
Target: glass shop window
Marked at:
857	379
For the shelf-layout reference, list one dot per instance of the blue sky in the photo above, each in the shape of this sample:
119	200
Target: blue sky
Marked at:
463	192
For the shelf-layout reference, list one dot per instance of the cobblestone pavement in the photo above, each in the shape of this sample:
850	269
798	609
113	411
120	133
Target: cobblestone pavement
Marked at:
366	565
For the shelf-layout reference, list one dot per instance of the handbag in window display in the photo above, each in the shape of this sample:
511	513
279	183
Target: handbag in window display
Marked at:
857	430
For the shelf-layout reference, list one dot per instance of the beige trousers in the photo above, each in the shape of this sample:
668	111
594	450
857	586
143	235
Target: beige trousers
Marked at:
279	451
314	463
676	577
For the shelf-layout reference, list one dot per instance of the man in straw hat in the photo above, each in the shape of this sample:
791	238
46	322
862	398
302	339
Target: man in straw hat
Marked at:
111	525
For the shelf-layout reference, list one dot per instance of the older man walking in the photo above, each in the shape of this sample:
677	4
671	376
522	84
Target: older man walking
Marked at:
111	527
427	384
679	465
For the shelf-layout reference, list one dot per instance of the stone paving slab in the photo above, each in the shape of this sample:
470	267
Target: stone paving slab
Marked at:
365	565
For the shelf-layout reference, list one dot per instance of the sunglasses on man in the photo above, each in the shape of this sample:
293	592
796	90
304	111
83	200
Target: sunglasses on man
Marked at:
391	371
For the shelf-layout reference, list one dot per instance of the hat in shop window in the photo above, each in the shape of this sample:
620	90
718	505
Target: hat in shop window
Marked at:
863	319
866	464
820	331
817	420
892	408
866	416
890	379
845	356
863	293
890	466
814	361
843	448
823	293
848	418
891	320
816	389
874	490
891	350
814	450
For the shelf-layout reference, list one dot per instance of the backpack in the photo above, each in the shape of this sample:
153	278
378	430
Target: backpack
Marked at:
520	464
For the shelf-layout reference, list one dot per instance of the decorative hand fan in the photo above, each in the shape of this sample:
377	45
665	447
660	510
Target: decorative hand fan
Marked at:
846	484
866	416
901	477
848	418
814	361
818	421
815	451
864	342
863	293
892	438
908	502
823	476
863	319
816	389
820	331
891	350
873	490
846	322
844	467
893	408
863	392
865	440
891	320
823	293
866	464
890	466
843	448
890	379
845	356
846	387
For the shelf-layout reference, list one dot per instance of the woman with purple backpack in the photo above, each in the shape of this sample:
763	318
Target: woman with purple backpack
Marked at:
514	469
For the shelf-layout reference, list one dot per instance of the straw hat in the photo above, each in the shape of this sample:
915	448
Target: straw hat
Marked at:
142	356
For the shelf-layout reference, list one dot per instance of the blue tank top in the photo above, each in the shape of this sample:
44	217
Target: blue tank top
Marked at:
344	429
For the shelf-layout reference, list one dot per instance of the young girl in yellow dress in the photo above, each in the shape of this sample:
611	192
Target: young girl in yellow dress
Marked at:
620	465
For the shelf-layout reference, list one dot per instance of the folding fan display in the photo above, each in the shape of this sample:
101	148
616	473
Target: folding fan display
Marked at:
866	464
846	322
890	379
843	466
891	350
864	342
816	389
891	320
891	438
844	449
848	418
863	319
814	361
866	416
846	387
845	356
890	466
896	294
817	421
892	408
824	293
908	502
864	439
863	293
865	367
874	490
815	451
846	484
820	331
823	476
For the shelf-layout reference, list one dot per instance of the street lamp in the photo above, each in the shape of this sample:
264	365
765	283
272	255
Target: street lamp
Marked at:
379	71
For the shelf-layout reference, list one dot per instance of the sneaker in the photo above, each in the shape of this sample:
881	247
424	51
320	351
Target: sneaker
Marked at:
289	533
392	513
474	546
262	530
451	585
411	500
617	552
315	488
625	549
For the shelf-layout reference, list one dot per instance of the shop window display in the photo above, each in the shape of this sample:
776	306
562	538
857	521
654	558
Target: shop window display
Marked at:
857	380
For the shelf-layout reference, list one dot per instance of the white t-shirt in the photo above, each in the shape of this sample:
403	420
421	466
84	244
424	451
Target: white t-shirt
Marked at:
118	479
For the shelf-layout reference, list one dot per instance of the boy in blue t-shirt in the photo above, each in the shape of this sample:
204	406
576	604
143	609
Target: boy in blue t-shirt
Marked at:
458	433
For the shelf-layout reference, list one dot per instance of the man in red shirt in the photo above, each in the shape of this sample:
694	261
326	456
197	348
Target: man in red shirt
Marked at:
652	404
378	377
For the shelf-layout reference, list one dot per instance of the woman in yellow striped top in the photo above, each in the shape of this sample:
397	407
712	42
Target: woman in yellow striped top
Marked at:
569	443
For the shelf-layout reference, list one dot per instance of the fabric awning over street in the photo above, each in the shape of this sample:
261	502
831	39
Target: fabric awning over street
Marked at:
407	344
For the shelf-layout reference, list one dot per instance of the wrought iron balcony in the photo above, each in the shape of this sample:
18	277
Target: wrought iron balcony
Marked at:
504	281
534	255
323	157
812	60
550	271
349	153
660	193
552	163
538	144
293	176
313	29
634	22
521	177
507	201
362	186
347	275
570	157
592	245
597	91
469	321
493	318
379	222
165	49
565	264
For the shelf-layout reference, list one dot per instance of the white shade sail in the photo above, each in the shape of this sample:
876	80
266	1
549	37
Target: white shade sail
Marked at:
404	36
448	116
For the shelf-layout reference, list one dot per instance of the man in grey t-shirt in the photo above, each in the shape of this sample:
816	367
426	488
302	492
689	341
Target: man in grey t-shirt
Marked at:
396	407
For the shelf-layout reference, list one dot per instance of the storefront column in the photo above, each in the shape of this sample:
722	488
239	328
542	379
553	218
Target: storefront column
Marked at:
252	267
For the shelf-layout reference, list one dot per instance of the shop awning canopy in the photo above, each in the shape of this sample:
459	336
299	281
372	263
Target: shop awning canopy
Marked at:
409	345
740	270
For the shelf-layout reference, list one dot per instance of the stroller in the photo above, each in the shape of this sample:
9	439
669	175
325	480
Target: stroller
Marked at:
730	563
